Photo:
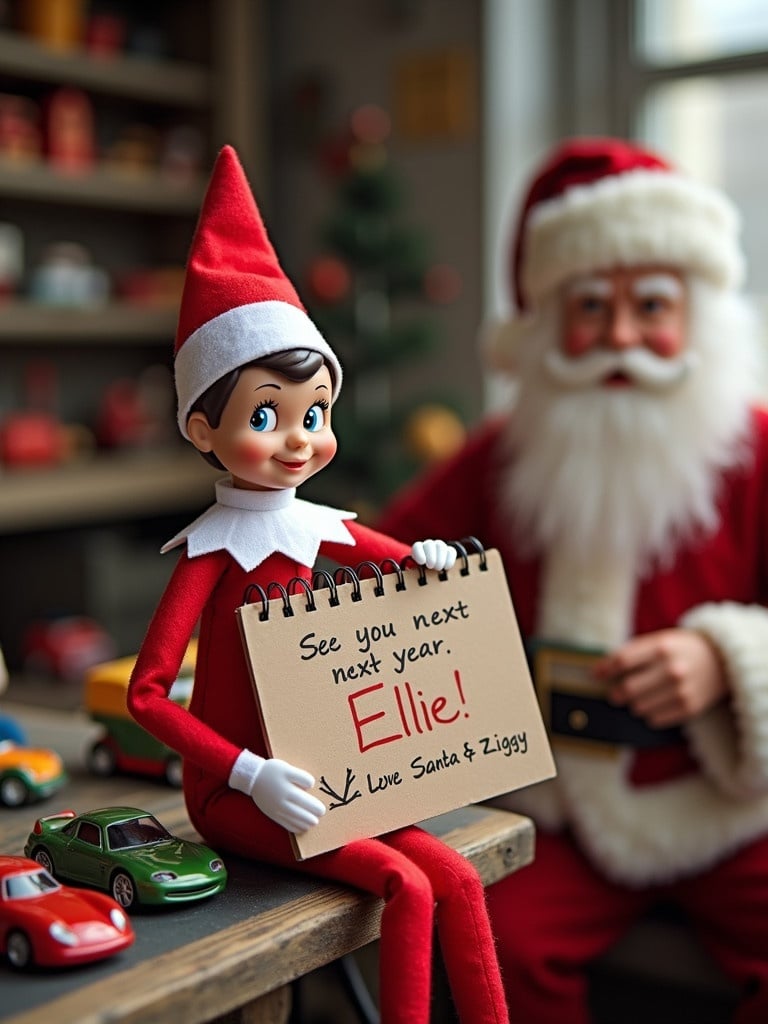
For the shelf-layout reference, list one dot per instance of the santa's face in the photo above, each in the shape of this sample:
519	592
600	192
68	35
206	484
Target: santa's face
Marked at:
633	398
622	328
274	433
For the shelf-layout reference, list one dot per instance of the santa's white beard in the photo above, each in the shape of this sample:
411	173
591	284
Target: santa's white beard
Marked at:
600	472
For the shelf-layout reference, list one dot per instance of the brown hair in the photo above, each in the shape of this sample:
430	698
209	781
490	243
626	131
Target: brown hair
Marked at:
297	364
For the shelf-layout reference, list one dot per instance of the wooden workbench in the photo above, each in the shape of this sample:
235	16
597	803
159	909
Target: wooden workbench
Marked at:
236	953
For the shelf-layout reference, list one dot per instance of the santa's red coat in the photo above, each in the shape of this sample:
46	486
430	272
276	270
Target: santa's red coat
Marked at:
645	815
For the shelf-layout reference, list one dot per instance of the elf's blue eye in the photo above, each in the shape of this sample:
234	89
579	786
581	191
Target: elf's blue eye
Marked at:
264	418
315	418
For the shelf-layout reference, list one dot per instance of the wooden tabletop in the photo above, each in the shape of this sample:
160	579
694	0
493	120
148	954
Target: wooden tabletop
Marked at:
198	962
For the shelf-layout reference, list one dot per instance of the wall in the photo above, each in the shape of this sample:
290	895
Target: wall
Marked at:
355	47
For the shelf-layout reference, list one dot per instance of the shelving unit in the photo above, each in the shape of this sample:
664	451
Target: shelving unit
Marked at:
104	488
153	81
118	324
125	219
150	193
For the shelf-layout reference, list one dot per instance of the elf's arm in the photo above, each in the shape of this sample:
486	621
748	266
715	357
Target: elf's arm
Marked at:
159	660
277	788
372	546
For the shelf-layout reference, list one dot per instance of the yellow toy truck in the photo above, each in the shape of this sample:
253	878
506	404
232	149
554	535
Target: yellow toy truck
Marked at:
124	746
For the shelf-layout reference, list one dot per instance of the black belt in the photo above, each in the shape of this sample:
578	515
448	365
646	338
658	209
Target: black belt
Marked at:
590	718
574	705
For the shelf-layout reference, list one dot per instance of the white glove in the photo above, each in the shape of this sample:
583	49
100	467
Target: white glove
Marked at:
434	554
278	789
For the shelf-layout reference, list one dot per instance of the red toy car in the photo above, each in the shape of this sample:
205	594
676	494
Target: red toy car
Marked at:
66	647
51	925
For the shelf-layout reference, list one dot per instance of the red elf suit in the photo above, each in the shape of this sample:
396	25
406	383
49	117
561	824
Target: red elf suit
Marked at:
238	307
687	819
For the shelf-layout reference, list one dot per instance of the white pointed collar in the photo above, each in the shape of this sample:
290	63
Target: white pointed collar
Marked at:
252	525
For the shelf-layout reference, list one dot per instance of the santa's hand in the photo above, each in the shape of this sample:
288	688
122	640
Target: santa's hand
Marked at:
278	789
667	677
433	554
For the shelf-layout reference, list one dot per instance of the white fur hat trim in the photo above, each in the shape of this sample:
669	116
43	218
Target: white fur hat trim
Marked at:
636	217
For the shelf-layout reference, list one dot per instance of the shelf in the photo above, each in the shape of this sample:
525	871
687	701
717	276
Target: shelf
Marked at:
105	488
151	192
141	78
115	324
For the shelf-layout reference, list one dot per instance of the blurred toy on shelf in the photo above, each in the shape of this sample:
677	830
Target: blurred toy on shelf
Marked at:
34	436
28	774
152	286
105	33
182	152
135	150
46	924
66	276
20	132
9	727
69	133
65	648
32	439
136	412
56	24
124	746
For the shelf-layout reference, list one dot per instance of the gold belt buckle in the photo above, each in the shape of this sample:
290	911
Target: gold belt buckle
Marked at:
567	671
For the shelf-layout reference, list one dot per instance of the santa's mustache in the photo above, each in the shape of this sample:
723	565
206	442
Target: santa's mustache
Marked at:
637	364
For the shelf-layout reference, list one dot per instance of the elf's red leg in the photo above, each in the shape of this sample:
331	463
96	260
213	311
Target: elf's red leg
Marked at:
402	868
465	934
405	950
228	821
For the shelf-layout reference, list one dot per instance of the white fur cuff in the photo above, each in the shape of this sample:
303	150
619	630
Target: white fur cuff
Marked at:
731	742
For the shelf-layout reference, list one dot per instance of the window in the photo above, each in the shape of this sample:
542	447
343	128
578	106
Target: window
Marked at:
687	77
698	92
89	833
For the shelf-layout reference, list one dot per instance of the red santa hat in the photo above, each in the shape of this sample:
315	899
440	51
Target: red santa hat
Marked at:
237	304
598	203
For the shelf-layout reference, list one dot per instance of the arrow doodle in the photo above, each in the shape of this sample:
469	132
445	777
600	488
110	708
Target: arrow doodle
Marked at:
340	799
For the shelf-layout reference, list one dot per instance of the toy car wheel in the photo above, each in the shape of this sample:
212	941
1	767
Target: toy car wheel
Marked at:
19	950
101	760
43	858
173	772
123	890
13	791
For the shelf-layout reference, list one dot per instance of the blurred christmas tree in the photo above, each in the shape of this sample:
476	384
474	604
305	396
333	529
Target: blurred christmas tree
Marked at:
368	291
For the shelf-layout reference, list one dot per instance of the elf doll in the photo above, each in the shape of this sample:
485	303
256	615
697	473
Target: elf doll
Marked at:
255	384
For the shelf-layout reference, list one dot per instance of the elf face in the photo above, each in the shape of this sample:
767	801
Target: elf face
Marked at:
624	327
274	433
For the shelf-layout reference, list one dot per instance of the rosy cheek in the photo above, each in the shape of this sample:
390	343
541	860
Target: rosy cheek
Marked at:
327	449
665	343
577	340
251	450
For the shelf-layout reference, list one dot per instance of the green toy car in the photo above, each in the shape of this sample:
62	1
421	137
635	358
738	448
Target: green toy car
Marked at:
28	774
128	853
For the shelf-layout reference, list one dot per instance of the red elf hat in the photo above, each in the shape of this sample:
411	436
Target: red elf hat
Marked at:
237	305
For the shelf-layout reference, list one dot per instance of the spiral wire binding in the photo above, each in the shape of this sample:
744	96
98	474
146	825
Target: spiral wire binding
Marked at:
322	579
323	574
347	570
378	590
310	606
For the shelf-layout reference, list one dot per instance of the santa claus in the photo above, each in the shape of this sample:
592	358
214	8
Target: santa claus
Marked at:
627	490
